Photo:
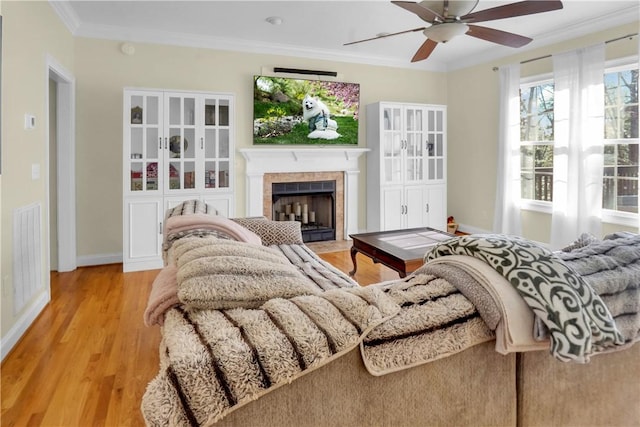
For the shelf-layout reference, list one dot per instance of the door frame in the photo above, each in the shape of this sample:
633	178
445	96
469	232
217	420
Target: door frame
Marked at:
66	163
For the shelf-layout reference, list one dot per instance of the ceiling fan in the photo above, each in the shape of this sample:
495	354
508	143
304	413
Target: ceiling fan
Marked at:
449	19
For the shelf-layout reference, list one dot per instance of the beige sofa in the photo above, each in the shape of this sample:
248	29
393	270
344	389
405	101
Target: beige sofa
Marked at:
477	387
448	373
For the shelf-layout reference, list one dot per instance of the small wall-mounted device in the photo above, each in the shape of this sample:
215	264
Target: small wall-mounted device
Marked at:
29	121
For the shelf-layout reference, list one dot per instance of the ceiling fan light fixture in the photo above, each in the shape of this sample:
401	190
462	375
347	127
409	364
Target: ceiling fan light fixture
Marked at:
442	33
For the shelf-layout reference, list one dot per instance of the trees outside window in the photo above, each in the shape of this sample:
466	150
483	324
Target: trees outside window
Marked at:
621	153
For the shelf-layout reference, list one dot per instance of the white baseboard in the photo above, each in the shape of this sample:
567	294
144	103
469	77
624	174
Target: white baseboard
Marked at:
8	341
89	260
472	230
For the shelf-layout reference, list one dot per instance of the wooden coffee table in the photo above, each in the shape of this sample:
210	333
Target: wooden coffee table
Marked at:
400	250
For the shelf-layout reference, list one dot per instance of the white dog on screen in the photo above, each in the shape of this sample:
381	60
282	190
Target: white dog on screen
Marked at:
317	114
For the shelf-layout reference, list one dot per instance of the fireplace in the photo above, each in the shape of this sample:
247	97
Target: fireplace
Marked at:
312	203
265	166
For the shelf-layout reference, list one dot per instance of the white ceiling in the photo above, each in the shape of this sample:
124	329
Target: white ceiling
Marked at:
318	29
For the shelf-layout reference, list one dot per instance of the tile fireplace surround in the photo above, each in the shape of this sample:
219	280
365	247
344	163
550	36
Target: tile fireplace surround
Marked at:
268	165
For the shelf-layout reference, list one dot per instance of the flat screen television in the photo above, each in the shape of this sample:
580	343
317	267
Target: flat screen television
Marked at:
290	111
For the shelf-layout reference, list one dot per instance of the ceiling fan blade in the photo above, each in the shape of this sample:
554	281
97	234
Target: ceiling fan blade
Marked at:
497	36
514	9
386	35
424	13
424	51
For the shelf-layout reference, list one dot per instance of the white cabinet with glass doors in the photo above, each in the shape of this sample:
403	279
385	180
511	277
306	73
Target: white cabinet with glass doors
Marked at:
177	146
406	169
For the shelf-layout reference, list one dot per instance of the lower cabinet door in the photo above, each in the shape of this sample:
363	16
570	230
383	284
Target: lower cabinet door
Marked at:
416	200
142	234
393	208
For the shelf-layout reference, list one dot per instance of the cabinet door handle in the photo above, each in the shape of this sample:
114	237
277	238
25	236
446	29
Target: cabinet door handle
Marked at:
201	143
165	142
160	142
427	205
160	228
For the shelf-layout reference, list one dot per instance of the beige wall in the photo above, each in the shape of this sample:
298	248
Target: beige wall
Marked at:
31	31
473	133
102	72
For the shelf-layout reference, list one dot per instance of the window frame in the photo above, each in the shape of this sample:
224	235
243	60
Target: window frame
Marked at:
608	215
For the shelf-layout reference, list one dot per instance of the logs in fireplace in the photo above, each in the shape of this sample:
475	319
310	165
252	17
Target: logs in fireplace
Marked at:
312	203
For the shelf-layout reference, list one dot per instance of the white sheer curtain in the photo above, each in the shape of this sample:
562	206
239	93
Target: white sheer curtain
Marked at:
507	209
578	145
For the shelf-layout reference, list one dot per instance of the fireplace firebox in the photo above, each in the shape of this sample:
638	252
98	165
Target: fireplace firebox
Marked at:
312	203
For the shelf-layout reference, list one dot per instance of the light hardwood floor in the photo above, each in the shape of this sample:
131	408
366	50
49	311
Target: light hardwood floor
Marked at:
87	359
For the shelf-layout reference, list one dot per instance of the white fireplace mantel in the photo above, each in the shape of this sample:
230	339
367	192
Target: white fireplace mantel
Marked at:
300	159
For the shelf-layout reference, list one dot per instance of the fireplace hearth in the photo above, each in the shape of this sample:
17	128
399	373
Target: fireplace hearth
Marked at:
312	203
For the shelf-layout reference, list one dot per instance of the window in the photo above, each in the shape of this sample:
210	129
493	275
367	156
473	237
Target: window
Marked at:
536	141
621	153
620	186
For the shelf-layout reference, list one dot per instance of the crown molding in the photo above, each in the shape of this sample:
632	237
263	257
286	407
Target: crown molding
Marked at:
237	45
67	15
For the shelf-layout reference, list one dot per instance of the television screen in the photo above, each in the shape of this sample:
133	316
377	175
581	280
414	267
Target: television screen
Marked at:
302	112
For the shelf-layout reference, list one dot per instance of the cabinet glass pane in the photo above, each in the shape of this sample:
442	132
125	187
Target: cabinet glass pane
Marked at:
175	109
136	176
153	143
224	144
210	143
430	146
210	118
413	145
188	144
439	121
439	145
175	143
411	120
136	143
152	176
387	144
223	118
189	175
223	175
387	119
189	111
392	171
152	115
431	120
209	174
396	119
440	171
419	120
137	109
174	175
432	169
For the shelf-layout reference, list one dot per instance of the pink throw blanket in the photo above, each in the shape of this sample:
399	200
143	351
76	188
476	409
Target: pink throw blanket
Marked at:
163	296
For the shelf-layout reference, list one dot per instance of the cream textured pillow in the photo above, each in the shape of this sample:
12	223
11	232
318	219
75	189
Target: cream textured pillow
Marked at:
273	232
222	274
